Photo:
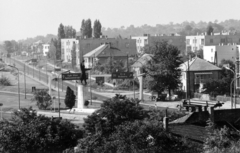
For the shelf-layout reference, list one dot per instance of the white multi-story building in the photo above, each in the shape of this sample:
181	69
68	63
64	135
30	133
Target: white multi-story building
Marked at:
215	54
141	41
194	43
45	49
66	49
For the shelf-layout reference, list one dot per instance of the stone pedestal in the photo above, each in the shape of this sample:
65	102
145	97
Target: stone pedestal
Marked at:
49	85
140	78
80	100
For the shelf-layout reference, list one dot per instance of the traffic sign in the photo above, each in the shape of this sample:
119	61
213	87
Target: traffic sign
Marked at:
71	76
122	75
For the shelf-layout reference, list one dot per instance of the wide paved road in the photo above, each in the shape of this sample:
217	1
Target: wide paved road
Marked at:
42	75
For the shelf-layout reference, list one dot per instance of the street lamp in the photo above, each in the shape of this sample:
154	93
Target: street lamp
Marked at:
18	86
58	90
233	80
25	80
1	110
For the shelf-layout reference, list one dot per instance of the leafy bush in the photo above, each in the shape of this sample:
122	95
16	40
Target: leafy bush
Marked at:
86	103
43	99
31	133
221	140
4	81
70	98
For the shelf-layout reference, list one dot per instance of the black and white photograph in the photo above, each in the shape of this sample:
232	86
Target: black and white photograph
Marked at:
119	76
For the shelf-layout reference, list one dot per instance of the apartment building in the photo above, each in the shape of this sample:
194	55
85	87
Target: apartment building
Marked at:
215	54
141	41
194	43
46	48
176	40
66	49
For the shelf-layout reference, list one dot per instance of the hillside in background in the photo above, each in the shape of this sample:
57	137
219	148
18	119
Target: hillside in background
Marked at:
185	28
44	39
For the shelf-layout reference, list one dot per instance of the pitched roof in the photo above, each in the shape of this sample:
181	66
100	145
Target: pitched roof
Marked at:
142	60
97	51
198	64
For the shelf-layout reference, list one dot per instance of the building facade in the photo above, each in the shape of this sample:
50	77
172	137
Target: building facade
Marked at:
66	49
194	43
215	54
176	40
103	48
195	73
46	48
141	41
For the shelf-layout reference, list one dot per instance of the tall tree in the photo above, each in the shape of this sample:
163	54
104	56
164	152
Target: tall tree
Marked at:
58	50
82	29
88	28
163	68
209	30
53	49
8	46
74	58
97	29
61	35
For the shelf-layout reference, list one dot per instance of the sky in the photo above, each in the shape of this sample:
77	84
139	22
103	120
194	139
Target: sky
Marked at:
21	19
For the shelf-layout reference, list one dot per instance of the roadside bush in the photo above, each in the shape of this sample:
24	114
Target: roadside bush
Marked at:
27	132
86	103
4	81
43	99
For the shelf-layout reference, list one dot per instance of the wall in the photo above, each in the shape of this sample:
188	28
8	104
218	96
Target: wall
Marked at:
230	115
195	42
209	53
178	41
222	39
66	47
45	49
141	42
226	52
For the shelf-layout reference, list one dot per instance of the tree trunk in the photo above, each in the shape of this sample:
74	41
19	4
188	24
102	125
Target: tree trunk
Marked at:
169	92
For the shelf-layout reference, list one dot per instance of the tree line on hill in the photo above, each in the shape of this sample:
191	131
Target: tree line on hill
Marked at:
184	28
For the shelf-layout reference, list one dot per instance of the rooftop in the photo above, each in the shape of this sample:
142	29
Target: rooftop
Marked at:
198	64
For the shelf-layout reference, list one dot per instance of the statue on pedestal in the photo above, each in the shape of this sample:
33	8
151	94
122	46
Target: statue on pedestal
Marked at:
83	70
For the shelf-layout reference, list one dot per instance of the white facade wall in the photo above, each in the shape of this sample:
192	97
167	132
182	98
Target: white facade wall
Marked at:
141	41
194	43
67	45
209	53
45	49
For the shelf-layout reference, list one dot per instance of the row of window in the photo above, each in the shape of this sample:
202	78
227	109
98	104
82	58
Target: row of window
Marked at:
195	41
